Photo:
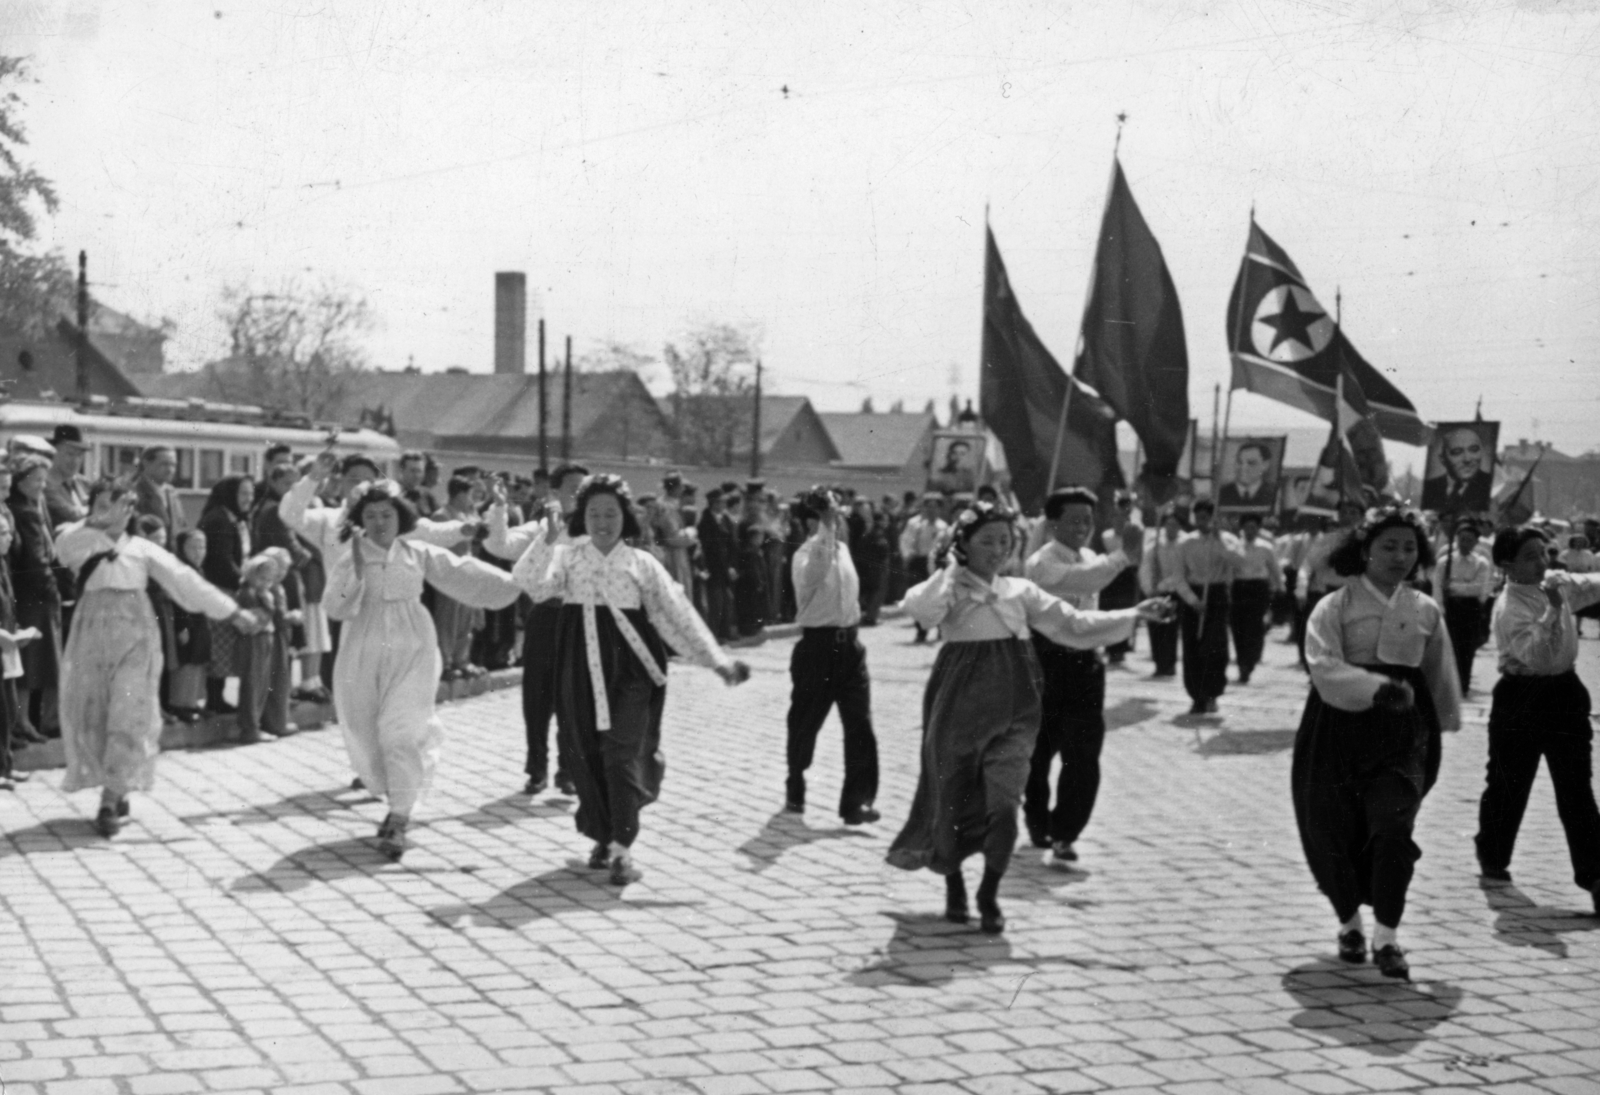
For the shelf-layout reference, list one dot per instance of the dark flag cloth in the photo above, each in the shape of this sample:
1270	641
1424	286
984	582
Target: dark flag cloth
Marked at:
1286	346
1021	393
1337	477
1133	350
1515	504
1355	422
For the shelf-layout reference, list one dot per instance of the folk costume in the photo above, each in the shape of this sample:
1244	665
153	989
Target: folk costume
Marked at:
980	714
1540	709
620	612
1360	771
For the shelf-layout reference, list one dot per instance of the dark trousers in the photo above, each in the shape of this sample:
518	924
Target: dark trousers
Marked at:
539	690
719	608
917	572
1463	619
1122	592
1548	717
828	667
1072	724
1164	647
1376	816
1205	651
1252	597
9	719
1283	603
263	662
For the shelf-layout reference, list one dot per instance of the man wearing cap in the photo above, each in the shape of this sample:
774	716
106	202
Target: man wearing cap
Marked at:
66	492
829	665
719	544
920	539
153	492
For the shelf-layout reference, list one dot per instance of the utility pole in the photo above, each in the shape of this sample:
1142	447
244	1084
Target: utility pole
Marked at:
82	348
566	408
544	405
755	432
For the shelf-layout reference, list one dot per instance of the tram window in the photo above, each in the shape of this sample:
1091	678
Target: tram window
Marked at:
185	475
119	460
239	463
210	467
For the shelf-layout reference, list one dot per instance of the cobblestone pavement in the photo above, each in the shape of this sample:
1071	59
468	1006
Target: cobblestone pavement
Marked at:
243	934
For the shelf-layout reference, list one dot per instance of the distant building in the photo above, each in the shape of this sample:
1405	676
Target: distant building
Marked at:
895	443
792	433
33	368
1563	486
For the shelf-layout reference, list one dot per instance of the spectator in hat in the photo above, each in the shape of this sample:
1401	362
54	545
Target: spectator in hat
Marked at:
66	492
154	493
38	597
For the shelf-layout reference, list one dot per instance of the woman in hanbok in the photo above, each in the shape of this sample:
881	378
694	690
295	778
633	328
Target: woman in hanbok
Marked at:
387	674
620	611
1383	687
111	671
980	712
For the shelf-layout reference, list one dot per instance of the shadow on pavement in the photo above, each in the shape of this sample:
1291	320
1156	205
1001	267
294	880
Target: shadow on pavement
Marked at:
306	804
782	832
318	863
1360	1008
1522	923
1241	743
1129	712
66	834
510	809
564	890
926	949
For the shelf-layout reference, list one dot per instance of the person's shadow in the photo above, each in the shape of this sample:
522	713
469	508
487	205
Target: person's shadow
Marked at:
1129	711
67	834
545	896
318	863
782	832
509	810
317	804
1243	743
1361	1008
1522	923
928	950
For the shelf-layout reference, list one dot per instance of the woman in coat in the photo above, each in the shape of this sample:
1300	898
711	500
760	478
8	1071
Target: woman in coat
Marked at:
226	522
33	581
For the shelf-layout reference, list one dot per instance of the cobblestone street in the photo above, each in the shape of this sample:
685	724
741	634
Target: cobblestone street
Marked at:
243	934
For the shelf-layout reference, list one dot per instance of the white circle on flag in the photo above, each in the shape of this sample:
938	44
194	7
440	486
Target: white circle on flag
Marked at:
1289	325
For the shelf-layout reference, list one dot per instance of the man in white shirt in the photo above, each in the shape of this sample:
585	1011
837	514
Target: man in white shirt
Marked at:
921	538
1072	709
1209	565
1159	574
1463	582
829	664
1123	590
1257	581
1540	709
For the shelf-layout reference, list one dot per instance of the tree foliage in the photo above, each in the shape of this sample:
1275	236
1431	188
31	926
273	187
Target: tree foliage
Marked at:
610	356
295	348
713	390
32	281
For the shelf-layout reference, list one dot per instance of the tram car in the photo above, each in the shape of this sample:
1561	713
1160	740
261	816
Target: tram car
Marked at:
212	440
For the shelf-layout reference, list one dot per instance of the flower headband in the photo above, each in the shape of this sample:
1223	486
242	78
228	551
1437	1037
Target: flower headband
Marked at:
1390	516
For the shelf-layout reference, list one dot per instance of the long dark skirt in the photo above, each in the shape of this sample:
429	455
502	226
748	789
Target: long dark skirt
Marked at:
617	771
41	659
1358	781
980	717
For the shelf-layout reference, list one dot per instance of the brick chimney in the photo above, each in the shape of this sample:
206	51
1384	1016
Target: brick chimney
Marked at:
511	322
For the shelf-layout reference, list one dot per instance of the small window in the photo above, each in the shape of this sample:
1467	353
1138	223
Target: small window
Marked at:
185	476
239	463
119	460
210	468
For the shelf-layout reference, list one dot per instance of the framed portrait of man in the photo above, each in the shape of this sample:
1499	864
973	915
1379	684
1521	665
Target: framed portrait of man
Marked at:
1460	468
1250	473
957	462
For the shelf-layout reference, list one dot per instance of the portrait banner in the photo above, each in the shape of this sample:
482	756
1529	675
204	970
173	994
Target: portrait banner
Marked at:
957	462
1460	467
1251	469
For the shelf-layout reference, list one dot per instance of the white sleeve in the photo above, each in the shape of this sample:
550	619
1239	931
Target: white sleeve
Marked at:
465	579
670	612
540	572
184	583
929	602
1078	628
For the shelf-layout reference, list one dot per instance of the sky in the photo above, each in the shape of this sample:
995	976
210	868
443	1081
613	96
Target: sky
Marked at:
820	173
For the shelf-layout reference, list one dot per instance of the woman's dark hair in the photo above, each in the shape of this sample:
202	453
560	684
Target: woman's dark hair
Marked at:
458	485
1350	557
613	485
148	524
106	485
225	495
379	490
1508	543
974	517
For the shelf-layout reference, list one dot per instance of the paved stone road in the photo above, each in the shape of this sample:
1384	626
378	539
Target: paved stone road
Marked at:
243	934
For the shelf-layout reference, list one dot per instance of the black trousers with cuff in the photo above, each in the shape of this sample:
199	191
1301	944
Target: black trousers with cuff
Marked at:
829	668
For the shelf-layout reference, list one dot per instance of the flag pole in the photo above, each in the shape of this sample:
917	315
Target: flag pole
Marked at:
1066	400
1216	404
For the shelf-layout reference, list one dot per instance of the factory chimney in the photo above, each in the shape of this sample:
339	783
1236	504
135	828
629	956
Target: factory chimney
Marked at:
511	322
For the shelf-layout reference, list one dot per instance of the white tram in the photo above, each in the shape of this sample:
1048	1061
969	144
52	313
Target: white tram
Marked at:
212	440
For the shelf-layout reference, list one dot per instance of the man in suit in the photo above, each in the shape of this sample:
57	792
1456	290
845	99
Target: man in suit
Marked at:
66	493
154	493
1251	489
1465	485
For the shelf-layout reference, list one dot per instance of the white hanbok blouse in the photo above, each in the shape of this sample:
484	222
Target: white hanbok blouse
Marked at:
1007	608
399	573
136	562
1357	626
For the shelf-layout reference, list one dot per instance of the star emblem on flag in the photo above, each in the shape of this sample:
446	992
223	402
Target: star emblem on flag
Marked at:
1290	325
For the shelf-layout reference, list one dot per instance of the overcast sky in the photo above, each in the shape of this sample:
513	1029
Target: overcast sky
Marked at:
822	171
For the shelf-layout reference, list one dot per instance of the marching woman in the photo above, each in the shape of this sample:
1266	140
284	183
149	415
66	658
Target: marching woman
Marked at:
1383	687
980	713
620	611
111	672
387	674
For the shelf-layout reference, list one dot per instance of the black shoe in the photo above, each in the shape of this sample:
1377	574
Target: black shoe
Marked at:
861	815
955	899
790	806
122	807
1594	889
357	785
1198	707
1244	676
623	871
1352	947
990	920
1062	853
106	823
535	785
28	735
1038	838
1391	962
565	785
1211	706
1493	874
599	856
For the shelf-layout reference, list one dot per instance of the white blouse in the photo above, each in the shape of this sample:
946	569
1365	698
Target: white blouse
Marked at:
1358	626
400	573
138	561
1007	608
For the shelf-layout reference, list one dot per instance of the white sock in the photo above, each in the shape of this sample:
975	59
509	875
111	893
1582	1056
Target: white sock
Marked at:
1351	925
1382	936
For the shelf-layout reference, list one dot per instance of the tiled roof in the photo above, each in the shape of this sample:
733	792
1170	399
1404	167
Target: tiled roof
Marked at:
867	440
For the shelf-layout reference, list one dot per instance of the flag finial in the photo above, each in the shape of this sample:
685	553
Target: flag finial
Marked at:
1338	306
1122	116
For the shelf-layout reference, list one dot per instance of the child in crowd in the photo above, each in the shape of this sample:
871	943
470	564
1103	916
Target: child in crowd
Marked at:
750	597
264	657
191	639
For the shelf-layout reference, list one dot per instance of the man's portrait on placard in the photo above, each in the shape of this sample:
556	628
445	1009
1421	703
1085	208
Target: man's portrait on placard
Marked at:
1460	469
957	460
1251	467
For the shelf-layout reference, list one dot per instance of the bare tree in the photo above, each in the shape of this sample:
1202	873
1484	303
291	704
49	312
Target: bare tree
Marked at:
32	282
713	391
611	356
294	348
